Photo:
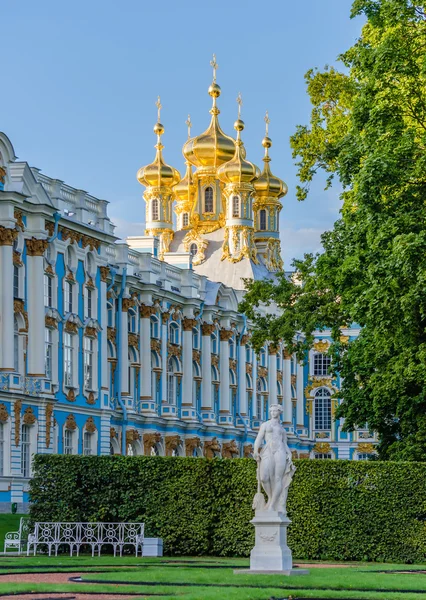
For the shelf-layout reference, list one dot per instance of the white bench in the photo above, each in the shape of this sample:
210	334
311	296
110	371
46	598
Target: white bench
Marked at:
17	540
95	535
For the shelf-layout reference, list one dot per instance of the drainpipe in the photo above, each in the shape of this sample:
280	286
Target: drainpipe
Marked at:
113	274
119	365
56	216
238	377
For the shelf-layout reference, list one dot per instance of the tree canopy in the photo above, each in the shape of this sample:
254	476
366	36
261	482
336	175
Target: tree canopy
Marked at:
368	131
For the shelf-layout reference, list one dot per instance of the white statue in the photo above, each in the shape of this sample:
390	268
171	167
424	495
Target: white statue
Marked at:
275	468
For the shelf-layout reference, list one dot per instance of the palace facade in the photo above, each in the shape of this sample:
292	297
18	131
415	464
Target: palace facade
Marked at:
138	347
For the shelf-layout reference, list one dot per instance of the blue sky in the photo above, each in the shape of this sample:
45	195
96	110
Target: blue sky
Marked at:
80	81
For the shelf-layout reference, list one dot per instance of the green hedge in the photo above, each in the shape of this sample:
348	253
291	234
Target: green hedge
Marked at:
339	509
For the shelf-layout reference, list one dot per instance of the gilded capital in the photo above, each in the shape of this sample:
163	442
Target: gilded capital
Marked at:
226	335
104	271
7	236
188	324
208	328
36	247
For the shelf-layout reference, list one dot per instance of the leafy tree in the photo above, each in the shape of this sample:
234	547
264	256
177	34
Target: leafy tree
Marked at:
368	130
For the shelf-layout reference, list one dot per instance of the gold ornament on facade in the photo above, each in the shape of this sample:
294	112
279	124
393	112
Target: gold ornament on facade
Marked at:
322	435
232	364
322	448
225	334
174	350
172	443
208	328
7	236
165	317
272	258
4	415
191	444
2	175
104	271
17	259
17	414
90	332
93	243
71	327
112	433
111	334
189	324
244	339
230	449
211	448
303	455
90	285
150	440
365	435
49	413
280	376
248	451
147	311
70	423
71	395
309	404
69	276
36	247
196	356
29	416
262	372
344	339
273	348
322	346
249	368
90	425
294	454
49	270
293	379
132	435
133	340
91	398
215	360
156	345
366	448
127	303
317	383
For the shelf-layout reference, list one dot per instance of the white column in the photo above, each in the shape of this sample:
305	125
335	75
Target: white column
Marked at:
165	317
272	376
243	408
187	395
287	388
225	335
103	320
105	432
124	352
300	412
6	301
206	371
35	303
145	355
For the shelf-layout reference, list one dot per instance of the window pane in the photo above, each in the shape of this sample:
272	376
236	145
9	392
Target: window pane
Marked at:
25	451
208	200
322	415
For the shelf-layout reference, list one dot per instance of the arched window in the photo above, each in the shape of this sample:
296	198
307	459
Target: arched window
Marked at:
155	210
68	441
87	443
208	200
171	383
235	206
262	358
248	354
231	349
214	343
322	363
174	333
193	249
322	412
132	325
185	220
262	220
88	362
155	328
25	451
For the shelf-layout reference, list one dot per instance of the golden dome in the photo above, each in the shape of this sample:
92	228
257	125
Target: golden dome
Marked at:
238	170
213	147
158	173
186	188
268	185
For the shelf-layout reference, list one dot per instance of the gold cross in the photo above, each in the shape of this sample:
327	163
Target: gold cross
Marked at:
215	66
159	107
267	121
240	103
189	125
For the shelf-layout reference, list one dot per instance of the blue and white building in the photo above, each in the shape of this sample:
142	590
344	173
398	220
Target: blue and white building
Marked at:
138	347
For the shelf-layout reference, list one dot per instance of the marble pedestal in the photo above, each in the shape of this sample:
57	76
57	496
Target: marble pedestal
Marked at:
271	553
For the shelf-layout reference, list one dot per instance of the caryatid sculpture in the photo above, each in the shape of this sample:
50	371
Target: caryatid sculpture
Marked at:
275	467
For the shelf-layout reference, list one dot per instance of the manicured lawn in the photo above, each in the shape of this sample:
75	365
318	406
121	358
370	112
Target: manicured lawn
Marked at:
8	522
213	579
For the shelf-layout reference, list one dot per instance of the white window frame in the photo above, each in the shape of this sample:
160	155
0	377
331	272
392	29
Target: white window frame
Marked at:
2	448
174	336
87	443
69	300
207	200
323	418
155	210
68	359
68	445
88	362
48	353
236	207
48	290
26	451
321	364
16	346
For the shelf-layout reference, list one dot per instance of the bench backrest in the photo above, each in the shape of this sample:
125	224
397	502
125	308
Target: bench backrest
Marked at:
80	533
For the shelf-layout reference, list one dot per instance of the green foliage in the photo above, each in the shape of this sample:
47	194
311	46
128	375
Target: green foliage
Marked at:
349	510
368	130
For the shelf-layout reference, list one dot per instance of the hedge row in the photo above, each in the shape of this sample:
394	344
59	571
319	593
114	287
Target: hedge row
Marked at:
349	510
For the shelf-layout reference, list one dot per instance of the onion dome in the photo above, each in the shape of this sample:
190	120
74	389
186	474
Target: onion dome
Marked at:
268	185
158	173
186	188
238	170
213	147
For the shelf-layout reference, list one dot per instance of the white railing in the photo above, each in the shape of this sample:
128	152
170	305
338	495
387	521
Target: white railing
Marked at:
95	535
